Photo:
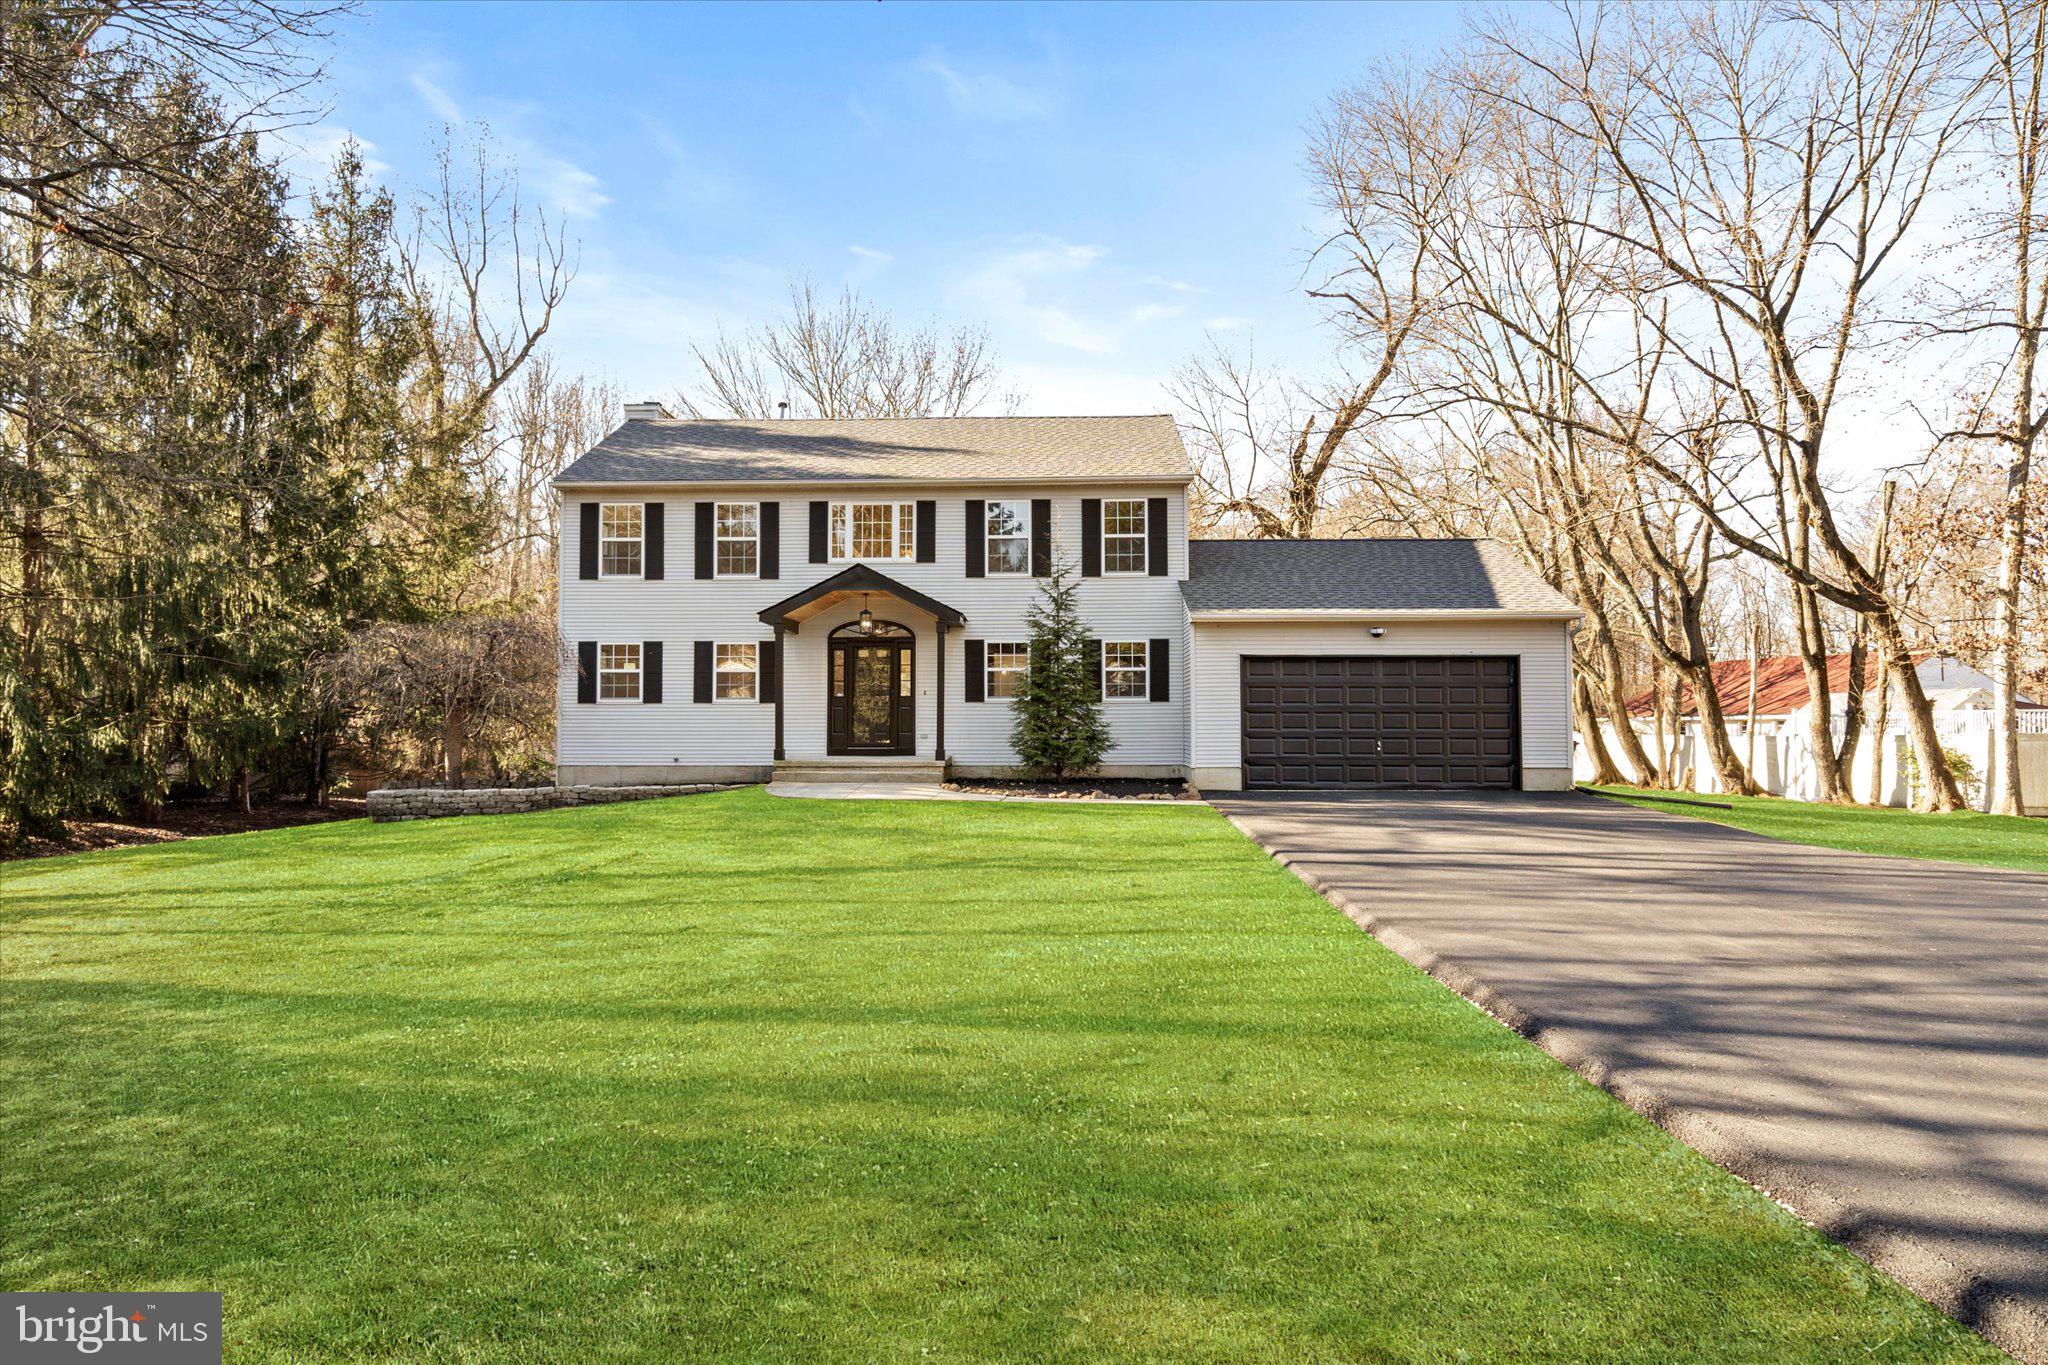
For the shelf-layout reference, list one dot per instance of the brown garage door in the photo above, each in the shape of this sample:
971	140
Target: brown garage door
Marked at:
1380	722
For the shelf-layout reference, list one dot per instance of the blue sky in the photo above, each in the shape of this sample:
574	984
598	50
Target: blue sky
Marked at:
1098	184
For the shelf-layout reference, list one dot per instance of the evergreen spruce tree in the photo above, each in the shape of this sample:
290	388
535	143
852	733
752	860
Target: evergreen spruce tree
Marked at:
1058	706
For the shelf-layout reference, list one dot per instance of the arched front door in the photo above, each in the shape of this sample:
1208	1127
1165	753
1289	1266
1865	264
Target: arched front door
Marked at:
871	690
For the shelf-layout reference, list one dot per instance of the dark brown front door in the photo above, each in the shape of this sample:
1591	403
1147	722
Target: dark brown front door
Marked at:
1380	722
870	706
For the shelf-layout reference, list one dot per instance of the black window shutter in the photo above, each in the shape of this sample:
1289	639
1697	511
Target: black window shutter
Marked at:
1041	537
704	543
768	682
821	513
771	540
1155	537
653	539
1158	661
586	543
973	674
977	538
1091	537
701	683
586	665
1091	659
927	531
650	671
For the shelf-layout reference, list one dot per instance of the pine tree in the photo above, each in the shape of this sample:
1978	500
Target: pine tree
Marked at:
1058	706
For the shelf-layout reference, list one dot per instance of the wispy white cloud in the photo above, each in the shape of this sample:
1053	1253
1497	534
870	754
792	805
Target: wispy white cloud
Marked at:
868	255
988	94
690	177
1060	293
309	153
1226	323
560	184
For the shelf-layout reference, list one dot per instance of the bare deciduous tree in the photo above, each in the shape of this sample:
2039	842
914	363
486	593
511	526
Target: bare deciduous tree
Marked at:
844	358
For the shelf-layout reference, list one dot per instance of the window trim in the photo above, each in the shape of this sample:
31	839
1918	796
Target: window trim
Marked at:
989	669
1143	668
719	539
638	672
639	542
989	538
718	674
902	531
1143	535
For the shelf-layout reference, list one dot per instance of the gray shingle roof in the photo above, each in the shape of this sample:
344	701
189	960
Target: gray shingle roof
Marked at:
967	449
1364	575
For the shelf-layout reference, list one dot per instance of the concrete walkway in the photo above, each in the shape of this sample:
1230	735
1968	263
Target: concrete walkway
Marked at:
1866	1038
928	791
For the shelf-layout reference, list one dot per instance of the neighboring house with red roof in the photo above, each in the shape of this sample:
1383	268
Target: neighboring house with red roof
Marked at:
1778	752
1781	690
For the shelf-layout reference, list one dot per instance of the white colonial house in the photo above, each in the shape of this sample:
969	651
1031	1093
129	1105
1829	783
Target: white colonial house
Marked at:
818	598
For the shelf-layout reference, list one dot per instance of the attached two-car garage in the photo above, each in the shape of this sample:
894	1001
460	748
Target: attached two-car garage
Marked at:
1379	721
1375	664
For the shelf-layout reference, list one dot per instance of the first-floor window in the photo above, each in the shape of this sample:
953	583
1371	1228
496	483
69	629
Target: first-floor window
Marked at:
1123	670
736	670
618	672
1007	665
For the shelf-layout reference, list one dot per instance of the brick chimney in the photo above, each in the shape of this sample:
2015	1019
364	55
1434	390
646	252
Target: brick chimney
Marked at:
650	410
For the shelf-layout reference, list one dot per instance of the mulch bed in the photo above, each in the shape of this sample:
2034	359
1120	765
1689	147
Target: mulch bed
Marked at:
185	820
1083	789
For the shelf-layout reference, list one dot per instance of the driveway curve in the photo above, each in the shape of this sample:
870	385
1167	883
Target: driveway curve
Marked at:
1865	1038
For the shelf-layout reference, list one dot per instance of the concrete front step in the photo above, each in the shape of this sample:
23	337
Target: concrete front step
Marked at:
816	770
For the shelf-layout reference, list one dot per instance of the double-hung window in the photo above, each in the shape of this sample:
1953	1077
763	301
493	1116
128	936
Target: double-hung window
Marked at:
736	671
1009	537
1006	665
1124	670
1123	535
618	540
737	531
874	530
618	672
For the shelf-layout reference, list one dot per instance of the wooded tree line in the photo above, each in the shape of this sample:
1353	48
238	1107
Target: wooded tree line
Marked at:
1641	289
269	464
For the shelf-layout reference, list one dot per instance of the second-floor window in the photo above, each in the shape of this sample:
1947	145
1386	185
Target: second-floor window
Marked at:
874	530
618	540
1007	665
1123	535
1009	537
738	535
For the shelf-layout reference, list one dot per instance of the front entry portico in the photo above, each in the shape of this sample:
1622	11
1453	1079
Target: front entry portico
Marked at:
872	666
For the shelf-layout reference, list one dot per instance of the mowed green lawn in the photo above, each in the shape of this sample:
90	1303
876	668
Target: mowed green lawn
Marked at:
730	1076
1964	837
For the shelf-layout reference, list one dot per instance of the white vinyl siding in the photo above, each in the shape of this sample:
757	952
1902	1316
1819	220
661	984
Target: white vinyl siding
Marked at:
684	610
1543	649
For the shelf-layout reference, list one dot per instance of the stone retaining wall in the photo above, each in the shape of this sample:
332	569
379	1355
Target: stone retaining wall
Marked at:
429	803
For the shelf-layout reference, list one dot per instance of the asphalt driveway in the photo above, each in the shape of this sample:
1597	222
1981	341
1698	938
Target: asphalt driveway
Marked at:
1864	1037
